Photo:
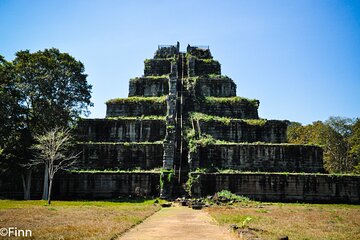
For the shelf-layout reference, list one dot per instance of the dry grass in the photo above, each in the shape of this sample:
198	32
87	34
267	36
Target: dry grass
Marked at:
297	221
74	220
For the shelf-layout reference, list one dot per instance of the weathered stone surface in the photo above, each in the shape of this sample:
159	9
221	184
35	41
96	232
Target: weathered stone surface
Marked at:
259	157
124	156
271	131
131	108
149	86
157	67
167	51
189	82
170	139
203	53
215	87
226	107
107	185
207	66
282	187
121	130
98	185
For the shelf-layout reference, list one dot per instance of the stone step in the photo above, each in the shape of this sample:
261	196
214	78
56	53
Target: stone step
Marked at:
263	157
123	156
215	86
122	129
234	107
157	66
281	187
136	106
150	86
242	130
207	66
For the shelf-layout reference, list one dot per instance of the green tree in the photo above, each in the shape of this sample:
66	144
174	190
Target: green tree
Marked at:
13	134
53	92
310	134
354	141
333	135
338	145
54	87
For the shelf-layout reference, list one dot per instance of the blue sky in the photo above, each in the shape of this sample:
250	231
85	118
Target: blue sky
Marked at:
301	59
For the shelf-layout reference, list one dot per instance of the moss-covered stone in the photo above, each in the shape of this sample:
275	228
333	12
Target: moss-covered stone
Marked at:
150	86
234	107
157	67
136	106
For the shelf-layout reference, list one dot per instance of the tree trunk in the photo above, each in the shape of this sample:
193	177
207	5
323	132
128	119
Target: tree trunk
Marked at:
46	184
49	194
26	181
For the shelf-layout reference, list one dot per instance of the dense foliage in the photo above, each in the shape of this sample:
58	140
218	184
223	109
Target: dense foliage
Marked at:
38	91
340	138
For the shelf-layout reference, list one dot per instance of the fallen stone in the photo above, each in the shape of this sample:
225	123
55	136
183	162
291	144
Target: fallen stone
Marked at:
196	206
165	205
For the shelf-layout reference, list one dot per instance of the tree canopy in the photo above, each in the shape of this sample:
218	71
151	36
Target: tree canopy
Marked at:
38	91
339	137
54	88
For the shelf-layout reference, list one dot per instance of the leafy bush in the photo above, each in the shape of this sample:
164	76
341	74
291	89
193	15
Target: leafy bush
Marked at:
229	196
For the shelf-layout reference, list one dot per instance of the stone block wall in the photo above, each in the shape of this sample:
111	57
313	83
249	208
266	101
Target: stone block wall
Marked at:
166	51
121	130
259	157
128	107
207	66
271	131
215	87
227	107
197	52
124	156
107	185
281	187
157	67
149	86
85	185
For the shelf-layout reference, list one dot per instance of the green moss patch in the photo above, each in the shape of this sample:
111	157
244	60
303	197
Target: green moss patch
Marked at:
139	118
131	100
225	120
231	101
111	171
120	143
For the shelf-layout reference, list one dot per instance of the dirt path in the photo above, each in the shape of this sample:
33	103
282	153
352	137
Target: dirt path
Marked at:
178	223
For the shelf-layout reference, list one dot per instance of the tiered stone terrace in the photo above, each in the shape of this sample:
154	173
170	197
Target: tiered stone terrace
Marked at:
182	129
183	118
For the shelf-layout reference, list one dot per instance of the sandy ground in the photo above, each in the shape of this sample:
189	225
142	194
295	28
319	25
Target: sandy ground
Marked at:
178	223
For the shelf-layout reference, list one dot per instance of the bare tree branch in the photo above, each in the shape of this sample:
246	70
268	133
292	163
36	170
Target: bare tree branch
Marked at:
53	150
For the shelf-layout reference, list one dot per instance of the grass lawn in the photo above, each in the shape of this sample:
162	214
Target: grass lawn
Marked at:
297	221
74	219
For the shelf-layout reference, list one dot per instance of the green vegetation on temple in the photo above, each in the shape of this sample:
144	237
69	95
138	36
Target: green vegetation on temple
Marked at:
151	77
231	100
110	171
140	118
234	171
148	60
166	177
130	100
225	120
120	143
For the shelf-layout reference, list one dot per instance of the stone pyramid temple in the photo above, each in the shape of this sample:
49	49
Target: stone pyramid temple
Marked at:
182	130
